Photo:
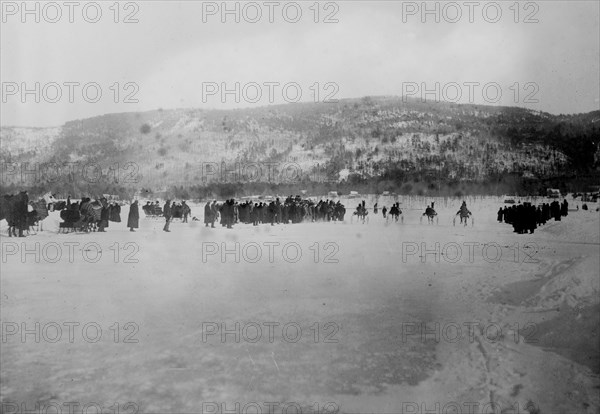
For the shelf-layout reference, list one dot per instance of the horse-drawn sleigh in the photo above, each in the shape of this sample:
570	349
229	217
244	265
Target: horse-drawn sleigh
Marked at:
464	215
84	216
395	213
21	214
152	210
361	214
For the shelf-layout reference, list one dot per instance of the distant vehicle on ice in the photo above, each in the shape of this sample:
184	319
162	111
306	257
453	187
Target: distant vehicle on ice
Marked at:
553	193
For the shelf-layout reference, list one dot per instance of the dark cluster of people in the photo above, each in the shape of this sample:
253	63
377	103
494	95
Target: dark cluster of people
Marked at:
527	217
90	215
293	209
95	215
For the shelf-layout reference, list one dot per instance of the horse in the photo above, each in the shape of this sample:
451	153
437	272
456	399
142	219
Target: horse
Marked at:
14	209
39	211
394	213
72	218
464	214
91	214
430	213
362	213
52	203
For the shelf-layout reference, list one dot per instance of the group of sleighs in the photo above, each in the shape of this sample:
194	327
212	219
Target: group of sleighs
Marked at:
527	217
170	211
175	209
85	215
293	209
93	215
88	215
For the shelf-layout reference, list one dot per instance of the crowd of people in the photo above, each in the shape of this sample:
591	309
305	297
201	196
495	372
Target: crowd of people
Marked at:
527	217
523	217
88	215
95	215
293	209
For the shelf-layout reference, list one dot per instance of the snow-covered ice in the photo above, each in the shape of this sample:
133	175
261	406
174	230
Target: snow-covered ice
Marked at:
347	316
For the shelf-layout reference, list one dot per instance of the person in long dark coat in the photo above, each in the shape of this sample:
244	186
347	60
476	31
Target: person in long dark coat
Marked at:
103	223
208	215
114	213
167	214
133	219
564	208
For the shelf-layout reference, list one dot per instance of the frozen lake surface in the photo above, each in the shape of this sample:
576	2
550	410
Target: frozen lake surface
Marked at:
315	317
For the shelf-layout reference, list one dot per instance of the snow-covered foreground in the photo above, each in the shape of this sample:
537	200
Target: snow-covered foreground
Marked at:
331	316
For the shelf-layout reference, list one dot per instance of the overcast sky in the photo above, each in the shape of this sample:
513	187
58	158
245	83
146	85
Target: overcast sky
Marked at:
374	48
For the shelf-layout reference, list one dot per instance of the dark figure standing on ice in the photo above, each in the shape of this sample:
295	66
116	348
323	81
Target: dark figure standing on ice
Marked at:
133	219
185	210
210	213
167	214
